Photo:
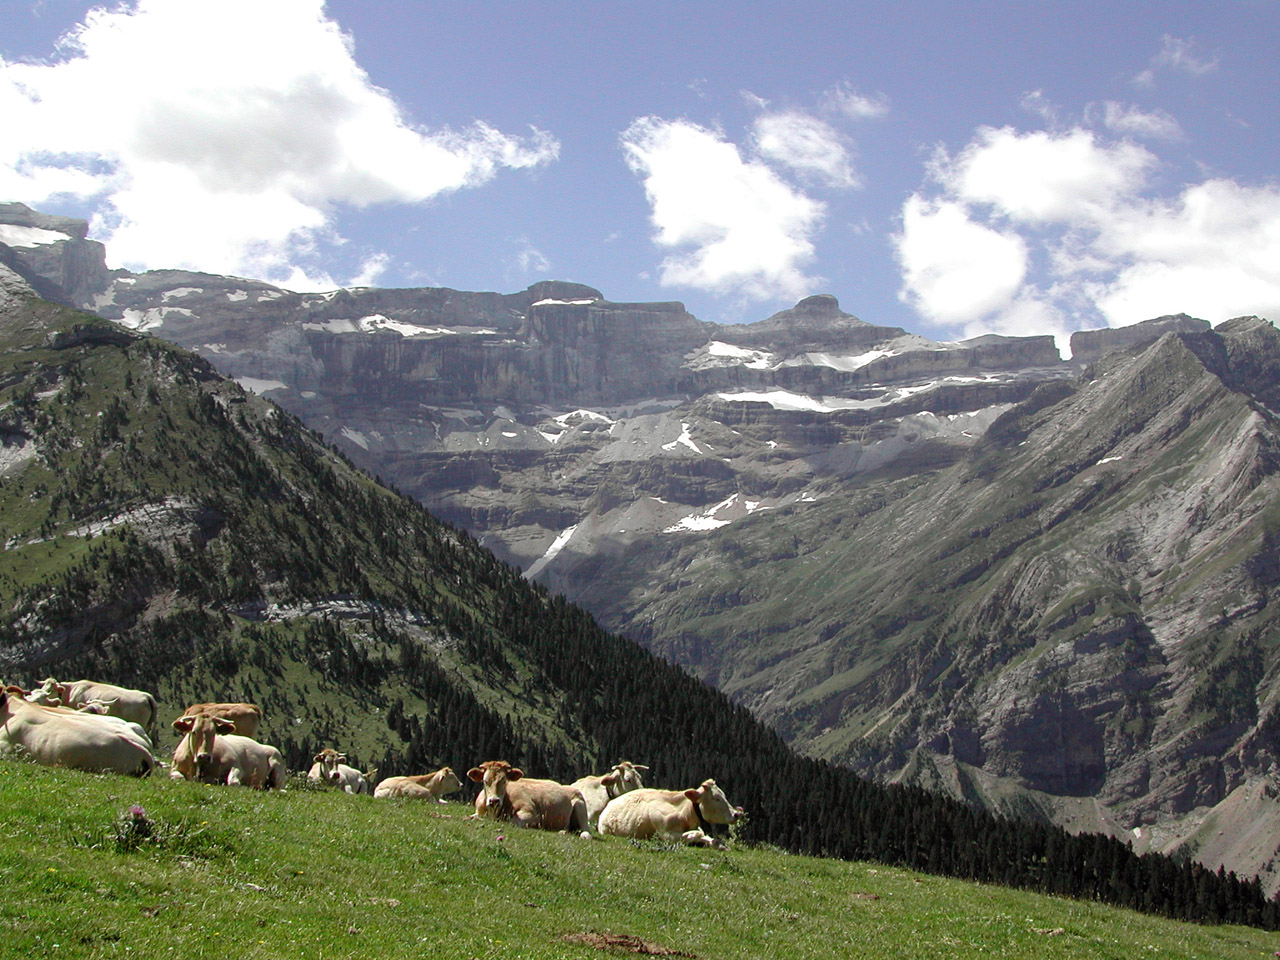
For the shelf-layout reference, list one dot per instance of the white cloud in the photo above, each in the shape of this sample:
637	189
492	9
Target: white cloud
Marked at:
750	231
1134	122
954	269
843	99
807	145
231	153
1177	54
1033	233
529	259
1042	177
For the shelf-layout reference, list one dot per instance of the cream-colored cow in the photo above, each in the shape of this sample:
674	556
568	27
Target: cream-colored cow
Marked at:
598	791
66	738
329	767
135	705
211	753
426	786
538	804
669	814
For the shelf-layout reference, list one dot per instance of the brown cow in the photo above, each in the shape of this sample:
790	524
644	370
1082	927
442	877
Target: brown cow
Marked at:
669	814
65	738
246	716
211	753
427	786
539	804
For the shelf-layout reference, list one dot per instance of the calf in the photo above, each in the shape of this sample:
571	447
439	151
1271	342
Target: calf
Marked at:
427	786
538	804
669	814
211	753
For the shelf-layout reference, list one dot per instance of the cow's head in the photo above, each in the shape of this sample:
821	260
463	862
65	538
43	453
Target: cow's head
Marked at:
446	781
713	804
96	705
495	775
329	758
201	731
623	778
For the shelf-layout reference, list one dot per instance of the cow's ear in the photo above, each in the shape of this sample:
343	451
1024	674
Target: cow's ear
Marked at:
318	758
515	773
694	795
223	726
342	758
184	724
609	779
476	774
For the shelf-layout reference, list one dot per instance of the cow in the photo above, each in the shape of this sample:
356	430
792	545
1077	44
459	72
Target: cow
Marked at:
69	739
538	804
246	716
427	786
136	705
669	814
598	791
210	753
329	768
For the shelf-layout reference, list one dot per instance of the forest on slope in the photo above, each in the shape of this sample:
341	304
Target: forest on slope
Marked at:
164	529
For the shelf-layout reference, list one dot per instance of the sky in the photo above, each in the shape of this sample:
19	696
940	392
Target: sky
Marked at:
952	168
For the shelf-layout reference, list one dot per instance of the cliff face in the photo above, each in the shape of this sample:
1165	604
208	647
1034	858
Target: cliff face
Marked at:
1043	584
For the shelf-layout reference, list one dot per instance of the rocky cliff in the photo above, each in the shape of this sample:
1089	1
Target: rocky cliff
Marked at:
1041	584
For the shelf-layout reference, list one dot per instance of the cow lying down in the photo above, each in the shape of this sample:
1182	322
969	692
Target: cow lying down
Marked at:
426	786
210	753
67	738
669	814
329	767
539	804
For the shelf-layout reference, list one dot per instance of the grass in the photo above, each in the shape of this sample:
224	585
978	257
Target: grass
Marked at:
314	874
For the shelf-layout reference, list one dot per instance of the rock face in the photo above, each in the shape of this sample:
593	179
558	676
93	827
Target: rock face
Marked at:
1045	585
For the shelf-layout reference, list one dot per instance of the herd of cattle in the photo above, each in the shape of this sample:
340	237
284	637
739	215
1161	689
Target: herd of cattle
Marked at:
100	727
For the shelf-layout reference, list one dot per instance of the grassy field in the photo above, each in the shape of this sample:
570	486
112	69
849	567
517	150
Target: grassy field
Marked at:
228	872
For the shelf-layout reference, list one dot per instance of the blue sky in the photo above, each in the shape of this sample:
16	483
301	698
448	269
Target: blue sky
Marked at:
952	168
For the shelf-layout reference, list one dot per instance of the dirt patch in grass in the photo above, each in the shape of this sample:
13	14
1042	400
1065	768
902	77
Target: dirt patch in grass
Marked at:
626	943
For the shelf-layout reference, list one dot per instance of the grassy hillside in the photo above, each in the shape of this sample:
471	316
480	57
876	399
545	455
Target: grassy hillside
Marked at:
310	874
165	530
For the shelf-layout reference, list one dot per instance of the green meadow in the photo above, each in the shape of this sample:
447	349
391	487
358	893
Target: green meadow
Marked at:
105	866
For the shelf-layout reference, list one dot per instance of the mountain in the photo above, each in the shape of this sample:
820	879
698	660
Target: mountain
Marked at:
1040	585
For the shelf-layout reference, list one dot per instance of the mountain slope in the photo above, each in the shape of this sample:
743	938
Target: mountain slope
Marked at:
166	530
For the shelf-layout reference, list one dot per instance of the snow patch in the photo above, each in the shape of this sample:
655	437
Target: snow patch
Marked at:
1107	460
846	364
237	295
376	322
553	551
269	295
565	303
16	236
721	515
142	320
685	439
356	437
180	292
261	386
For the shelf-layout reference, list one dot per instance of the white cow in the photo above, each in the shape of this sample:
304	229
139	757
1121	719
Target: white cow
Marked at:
598	791
136	705
329	768
426	786
540	804
69	739
669	814
211	753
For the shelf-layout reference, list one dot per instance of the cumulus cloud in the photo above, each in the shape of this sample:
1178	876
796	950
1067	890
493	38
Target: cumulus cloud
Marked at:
956	270
229	154
807	145
735	225
1036	232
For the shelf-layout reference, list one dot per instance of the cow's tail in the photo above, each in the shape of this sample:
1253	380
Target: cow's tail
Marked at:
578	820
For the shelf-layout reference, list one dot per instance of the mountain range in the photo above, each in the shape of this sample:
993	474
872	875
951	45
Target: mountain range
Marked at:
1042	585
